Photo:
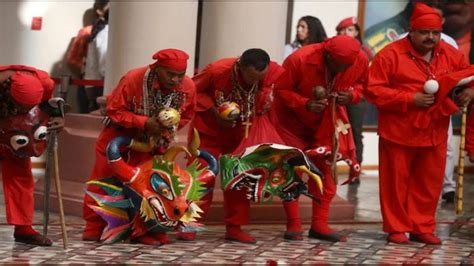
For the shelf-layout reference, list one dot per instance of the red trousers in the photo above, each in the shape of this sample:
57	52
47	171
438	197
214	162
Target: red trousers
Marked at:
320	215
217	146
411	179
18	188
101	170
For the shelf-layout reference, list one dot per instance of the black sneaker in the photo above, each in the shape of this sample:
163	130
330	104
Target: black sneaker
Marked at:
448	197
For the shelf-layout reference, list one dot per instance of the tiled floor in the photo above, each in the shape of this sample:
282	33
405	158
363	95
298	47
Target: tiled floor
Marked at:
366	244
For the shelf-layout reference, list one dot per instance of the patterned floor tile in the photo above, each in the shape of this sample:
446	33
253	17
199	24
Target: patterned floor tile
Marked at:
366	243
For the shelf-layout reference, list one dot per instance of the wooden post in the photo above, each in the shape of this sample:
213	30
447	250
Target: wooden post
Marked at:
460	178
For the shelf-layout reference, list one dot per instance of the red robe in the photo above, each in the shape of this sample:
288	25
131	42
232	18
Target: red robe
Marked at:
303	129
123	107
18	182
412	154
222	140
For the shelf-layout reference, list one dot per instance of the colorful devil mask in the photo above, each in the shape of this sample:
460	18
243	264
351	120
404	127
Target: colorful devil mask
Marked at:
268	170
25	134
156	196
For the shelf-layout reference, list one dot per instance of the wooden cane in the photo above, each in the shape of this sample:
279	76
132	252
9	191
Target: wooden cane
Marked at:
335	141
58	192
460	179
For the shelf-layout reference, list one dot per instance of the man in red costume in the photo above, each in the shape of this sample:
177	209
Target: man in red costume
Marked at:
412	156
22	88
247	81
315	74
132	110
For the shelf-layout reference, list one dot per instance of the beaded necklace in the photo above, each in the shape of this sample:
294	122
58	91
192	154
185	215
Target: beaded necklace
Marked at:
154	100
426	70
245	99
431	78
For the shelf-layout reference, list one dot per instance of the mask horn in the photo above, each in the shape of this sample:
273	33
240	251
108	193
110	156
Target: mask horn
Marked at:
125	172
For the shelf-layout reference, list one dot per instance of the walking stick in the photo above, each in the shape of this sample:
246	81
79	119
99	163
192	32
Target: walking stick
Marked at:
460	179
59	195
47	184
52	165
335	140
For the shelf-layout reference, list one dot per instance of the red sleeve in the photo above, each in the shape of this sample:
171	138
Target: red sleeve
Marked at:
119	104
189	106
286	87
203	82
361	82
379	90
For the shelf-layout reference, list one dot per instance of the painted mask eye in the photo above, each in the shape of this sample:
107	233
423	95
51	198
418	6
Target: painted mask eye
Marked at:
276	179
19	141
160	186
41	133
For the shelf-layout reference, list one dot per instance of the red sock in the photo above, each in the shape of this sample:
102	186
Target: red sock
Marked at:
25	230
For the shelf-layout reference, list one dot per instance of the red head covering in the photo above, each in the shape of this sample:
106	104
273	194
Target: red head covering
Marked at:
343	49
346	23
172	58
425	17
26	89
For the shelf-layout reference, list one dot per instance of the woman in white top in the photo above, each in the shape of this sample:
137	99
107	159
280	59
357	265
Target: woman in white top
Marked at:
309	30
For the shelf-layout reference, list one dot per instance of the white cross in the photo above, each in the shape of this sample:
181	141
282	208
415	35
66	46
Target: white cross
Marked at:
341	127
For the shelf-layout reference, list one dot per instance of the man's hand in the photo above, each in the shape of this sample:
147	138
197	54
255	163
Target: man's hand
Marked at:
423	100
464	97
316	106
344	98
55	124
153	126
221	121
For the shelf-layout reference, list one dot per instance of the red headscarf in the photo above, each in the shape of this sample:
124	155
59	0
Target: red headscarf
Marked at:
351	21
26	89
343	49
425	17
172	58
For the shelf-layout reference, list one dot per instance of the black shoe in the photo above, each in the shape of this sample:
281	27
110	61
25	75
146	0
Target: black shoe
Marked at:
449	197
36	239
331	237
294	236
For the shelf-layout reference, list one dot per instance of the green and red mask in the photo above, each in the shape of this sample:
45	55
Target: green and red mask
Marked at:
269	170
